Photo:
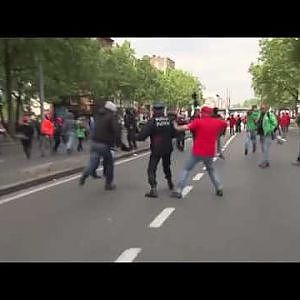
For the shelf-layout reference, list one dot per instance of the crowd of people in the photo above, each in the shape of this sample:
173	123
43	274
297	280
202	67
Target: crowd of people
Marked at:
206	125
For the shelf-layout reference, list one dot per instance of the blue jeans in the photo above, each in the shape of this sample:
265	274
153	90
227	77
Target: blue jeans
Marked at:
190	164
99	150
250	138
70	140
265	142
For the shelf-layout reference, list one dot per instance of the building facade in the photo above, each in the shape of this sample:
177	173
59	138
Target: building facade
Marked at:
162	63
106	42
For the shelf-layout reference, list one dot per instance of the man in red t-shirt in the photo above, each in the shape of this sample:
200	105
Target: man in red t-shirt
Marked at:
232	123
206	131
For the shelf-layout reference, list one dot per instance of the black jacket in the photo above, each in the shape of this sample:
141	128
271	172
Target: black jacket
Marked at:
27	131
106	128
130	122
161	132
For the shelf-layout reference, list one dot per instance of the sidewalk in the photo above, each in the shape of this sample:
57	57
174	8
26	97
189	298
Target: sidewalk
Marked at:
16	172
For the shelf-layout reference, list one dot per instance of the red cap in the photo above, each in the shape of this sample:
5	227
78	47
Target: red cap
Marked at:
205	110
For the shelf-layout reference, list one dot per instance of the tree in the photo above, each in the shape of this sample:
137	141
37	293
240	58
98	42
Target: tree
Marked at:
275	78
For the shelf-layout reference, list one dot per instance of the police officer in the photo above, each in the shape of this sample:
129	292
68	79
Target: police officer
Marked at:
161	132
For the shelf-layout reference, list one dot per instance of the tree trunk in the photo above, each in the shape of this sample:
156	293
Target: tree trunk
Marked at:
8	83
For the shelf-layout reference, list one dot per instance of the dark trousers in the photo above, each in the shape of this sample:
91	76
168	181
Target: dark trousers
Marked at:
79	147
56	142
131	139
180	139
152	167
27	146
99	150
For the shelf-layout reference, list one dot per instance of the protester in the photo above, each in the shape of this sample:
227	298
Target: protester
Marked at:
69	131
80	134
252	117
106	134
180	136
57	133
206	131
297	121
238	124
130	124
232	124
161	132
284	124
47	132
26	130
265	126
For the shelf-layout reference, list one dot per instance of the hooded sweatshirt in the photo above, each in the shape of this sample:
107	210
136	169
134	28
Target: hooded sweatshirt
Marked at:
107	129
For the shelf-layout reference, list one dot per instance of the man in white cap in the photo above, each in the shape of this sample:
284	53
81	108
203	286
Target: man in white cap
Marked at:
105	135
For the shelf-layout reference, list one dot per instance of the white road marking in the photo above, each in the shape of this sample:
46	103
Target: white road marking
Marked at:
129	255
198	176
229	141
162	217
58	182
186	190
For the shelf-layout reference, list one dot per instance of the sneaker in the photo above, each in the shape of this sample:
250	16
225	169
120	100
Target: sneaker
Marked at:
221	155
152	194
219	193
110	187
96	176
177	195
296	163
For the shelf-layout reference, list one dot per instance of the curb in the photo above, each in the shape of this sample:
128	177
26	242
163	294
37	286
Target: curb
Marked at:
8	189
11	188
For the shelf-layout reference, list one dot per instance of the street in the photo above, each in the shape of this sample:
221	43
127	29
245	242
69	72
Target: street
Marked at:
257	219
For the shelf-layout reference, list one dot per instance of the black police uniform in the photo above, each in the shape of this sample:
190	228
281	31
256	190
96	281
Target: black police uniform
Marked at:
161	132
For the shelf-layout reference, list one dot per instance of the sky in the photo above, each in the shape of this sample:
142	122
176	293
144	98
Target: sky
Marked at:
219	63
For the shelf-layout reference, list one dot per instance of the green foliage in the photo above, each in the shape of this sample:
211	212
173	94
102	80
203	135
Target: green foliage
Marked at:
275	77
73	66
248	103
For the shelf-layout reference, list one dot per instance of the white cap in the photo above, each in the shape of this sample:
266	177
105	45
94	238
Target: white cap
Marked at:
110	106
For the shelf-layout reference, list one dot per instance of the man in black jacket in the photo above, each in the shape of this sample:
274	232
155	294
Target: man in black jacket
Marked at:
131	126
161	132
105	135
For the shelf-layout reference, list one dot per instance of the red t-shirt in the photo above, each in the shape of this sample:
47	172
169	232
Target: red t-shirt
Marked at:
232	121
206	131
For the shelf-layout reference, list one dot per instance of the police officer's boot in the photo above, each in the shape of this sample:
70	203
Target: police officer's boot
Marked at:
153	193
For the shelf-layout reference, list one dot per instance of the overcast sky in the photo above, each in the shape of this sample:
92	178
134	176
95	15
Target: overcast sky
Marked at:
219	63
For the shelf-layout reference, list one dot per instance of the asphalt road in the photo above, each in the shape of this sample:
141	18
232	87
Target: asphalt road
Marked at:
258	219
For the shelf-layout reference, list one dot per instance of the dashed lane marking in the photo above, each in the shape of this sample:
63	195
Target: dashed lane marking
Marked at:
129	255
186	190
198	176
162	217
58	182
